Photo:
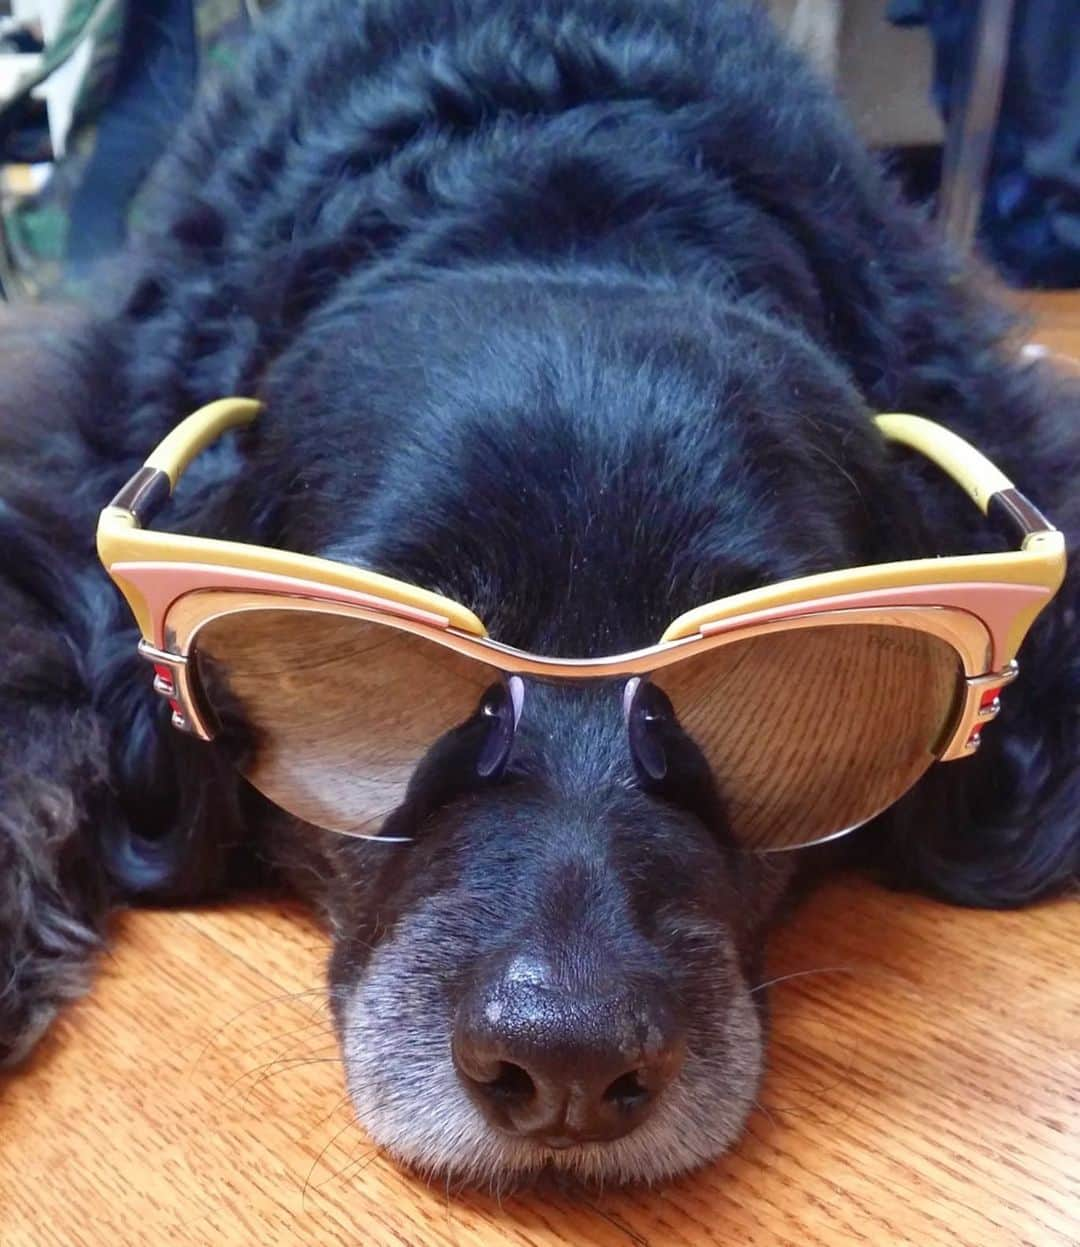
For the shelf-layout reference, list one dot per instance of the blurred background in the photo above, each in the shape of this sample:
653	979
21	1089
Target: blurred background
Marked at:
974	105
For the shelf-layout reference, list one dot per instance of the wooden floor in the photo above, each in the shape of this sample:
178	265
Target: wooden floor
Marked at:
1054	318
924	1091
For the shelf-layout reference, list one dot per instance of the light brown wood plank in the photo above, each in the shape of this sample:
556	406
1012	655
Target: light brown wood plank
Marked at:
925	1091
1054	317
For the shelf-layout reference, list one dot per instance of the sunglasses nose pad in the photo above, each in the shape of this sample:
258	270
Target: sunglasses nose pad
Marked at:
646	710
501	709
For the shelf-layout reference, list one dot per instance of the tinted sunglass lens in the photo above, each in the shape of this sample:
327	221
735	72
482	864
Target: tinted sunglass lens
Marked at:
812	731
335	712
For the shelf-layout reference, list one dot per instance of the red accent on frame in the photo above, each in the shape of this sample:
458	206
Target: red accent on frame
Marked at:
165	676
989	697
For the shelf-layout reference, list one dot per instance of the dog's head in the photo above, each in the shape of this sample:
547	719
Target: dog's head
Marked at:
559	968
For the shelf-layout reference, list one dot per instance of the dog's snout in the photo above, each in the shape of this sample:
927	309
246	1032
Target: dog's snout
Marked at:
547	1062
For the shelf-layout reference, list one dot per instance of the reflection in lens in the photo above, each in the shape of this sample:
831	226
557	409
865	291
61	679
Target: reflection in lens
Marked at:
811	731
328	715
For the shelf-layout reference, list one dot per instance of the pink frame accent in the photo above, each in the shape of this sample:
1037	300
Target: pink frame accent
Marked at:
991	608
162	584
994	604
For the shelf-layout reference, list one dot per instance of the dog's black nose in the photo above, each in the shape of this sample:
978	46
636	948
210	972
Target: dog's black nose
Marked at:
561	1065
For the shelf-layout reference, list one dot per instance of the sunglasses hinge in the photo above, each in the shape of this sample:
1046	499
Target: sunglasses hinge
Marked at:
170	683
981	706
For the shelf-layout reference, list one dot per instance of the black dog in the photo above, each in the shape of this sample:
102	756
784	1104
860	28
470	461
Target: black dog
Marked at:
576	311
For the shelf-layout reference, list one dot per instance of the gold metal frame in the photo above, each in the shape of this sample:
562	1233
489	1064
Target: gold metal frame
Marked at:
983	605
963	631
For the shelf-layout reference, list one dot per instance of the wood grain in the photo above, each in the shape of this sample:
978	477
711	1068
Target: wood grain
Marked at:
924	1091
1055	319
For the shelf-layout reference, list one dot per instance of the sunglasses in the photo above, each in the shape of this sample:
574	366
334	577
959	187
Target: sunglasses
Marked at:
815	703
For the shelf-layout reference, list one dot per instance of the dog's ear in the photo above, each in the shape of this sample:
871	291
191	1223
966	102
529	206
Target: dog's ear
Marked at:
186	832
1001	829
94	807
918	334
156	810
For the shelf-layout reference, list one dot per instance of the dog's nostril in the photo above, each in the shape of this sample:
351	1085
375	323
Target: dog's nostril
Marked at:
511	1084
549	1063
627	1091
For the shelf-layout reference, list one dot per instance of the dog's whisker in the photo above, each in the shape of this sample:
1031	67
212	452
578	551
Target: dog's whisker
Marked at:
349	1125
639	1240
277	999
354	1166
295	1064
800	974
315	1029
260	1073
338	1105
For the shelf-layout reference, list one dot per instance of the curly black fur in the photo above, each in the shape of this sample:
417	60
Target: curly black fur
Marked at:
575	310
